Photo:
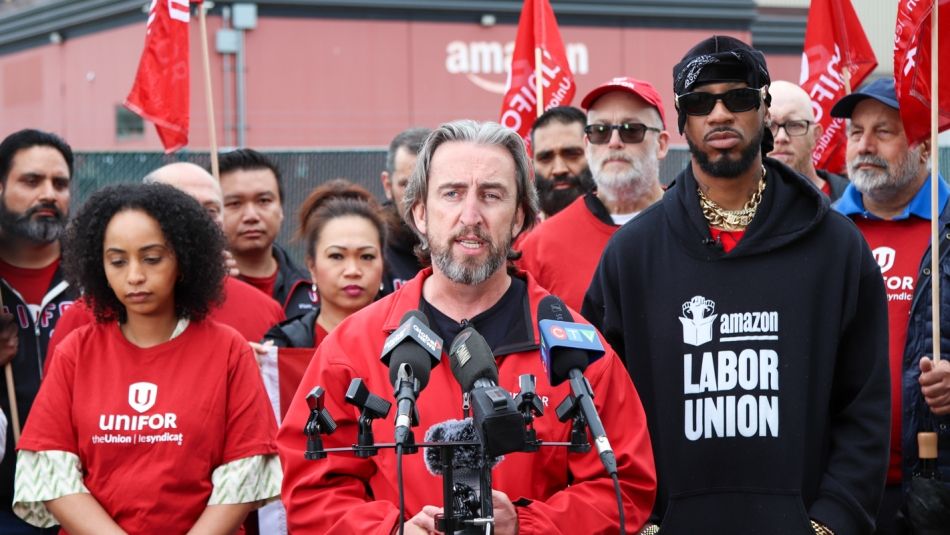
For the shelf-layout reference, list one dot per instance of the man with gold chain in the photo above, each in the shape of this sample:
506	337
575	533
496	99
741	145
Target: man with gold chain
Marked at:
753	321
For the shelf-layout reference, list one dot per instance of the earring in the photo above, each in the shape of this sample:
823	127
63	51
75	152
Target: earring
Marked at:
313	287
380	286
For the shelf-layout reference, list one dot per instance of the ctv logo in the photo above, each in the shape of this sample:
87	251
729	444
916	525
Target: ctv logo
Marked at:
142	396
573	334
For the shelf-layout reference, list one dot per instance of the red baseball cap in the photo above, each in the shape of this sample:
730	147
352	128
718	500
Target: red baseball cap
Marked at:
642	89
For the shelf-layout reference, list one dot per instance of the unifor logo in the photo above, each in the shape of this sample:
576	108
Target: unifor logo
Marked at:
698	320
142	396
884	257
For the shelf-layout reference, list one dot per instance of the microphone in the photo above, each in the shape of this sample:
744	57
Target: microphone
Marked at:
465	468
567	348
467	459
410	352
565	345
499	424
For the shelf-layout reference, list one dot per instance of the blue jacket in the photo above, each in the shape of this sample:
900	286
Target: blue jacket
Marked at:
916	415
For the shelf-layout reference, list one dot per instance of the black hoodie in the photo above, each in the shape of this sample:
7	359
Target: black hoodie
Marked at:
764	371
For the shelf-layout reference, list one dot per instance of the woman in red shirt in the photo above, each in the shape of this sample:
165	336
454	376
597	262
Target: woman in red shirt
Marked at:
153	419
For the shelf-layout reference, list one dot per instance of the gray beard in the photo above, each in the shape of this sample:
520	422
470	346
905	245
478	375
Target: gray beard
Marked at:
23	226
887	182
468	273
630	186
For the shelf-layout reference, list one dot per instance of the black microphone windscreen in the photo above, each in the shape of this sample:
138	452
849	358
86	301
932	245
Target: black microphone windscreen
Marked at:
552	308
563	360
471	359
466	457
411	353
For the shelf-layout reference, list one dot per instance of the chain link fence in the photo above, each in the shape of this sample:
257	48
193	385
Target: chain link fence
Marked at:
301	171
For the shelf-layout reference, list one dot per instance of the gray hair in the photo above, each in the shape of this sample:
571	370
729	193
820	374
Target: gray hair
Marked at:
479	133
411	138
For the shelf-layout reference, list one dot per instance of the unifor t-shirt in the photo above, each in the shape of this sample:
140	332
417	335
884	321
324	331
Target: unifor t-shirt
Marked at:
898	247
151	425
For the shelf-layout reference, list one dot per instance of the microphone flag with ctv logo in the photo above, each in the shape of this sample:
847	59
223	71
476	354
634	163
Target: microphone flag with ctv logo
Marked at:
912	45
161	90
834	42
538	39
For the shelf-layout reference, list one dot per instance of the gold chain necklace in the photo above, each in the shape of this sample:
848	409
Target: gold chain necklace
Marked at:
731	220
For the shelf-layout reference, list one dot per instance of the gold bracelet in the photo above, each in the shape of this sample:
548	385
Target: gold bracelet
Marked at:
821	529
649	529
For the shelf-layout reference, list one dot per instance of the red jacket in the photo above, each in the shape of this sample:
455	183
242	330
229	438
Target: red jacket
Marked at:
562	253
568	493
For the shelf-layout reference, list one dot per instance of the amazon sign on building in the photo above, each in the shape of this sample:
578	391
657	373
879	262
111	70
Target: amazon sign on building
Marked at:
322	73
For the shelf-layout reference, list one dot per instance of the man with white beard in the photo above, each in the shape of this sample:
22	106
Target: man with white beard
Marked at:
889	200
625	139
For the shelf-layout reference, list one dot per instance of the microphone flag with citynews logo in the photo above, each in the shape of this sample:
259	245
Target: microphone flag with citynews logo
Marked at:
912	66
537	29
834	41
161	89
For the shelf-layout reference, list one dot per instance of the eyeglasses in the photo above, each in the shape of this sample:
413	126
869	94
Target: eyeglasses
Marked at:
735	100
792	128
598	134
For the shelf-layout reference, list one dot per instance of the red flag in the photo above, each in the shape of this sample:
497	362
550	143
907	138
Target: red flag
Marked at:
912	66
161	89
834	41
537	28
282	371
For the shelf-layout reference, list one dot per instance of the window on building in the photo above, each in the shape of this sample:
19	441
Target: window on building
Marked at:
128	125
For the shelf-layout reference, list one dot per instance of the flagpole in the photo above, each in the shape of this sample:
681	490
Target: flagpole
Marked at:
934	179
539	37
538	87
209	99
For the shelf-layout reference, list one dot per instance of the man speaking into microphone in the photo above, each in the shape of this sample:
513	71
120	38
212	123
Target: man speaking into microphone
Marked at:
468	198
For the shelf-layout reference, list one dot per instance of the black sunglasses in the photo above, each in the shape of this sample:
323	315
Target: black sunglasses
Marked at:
598	134
735	100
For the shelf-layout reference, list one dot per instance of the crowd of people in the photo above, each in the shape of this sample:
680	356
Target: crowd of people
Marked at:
765	324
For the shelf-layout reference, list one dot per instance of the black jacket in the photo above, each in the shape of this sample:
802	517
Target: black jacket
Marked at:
837	183
292	287
764	371
399	255
295	332
33	338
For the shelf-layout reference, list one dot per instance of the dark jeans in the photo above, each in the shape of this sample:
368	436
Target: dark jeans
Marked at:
10	524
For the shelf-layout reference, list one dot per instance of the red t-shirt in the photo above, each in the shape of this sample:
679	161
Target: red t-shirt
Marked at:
245	309
727	238
151	425
32	284
264	284
898	247
826	188
562	253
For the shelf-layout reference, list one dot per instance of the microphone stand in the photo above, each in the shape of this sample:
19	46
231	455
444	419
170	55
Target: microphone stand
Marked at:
319	422
571	408
530	406
407	390
459	502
